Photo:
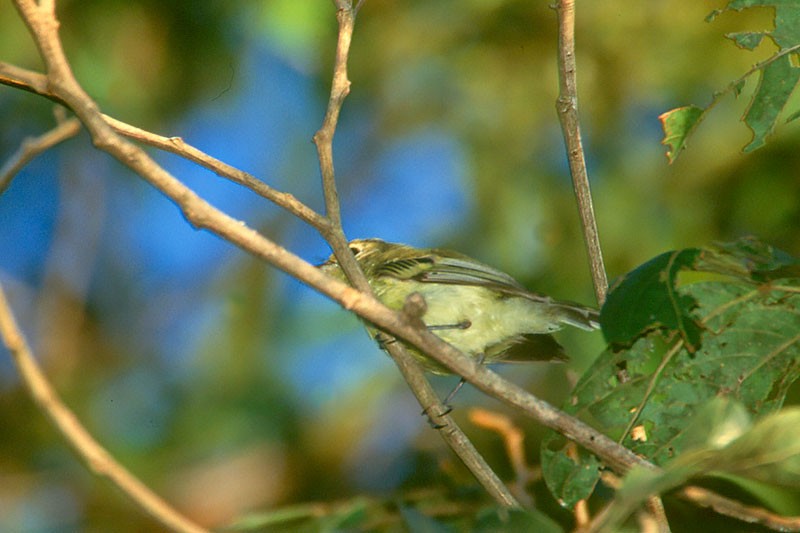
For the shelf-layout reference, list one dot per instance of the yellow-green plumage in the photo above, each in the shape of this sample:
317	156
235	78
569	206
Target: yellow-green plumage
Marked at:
481	311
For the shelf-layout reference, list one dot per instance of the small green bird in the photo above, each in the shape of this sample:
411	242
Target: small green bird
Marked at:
483	312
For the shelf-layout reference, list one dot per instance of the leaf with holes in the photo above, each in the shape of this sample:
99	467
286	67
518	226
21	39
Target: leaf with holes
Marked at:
732	329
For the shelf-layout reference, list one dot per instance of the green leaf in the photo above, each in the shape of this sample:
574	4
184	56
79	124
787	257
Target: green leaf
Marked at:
770	452
677	125
778	78
777	82
685	328
719	418
749	258
747	40
717	424
570	477
653	287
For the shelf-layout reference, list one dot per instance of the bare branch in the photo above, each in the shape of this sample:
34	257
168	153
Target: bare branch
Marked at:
567	106
448	429
27	80
178	146
514	440
746	513
32	147
408	366
96	457
340	88
37	83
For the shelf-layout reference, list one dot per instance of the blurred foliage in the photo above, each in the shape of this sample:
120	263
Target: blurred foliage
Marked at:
726	444
210	414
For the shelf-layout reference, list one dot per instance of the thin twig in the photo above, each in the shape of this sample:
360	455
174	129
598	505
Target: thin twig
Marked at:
410	369
32	147
96	457
567	106
657	515
178	146
340	88
746	513
514	441
452	434
27	80
37	83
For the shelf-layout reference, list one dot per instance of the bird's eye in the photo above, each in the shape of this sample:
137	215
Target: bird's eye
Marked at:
355	250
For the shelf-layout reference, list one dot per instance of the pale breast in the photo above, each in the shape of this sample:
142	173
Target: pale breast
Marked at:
492	318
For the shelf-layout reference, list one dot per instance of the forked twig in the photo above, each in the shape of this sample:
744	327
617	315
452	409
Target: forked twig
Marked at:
32	147
410	369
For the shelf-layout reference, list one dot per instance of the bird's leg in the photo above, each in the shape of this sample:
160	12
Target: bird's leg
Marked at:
384	340
464	324
459	385
453	392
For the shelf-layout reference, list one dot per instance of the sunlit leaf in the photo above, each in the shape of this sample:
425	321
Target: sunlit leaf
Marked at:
778	77
678	124
778	81
747	40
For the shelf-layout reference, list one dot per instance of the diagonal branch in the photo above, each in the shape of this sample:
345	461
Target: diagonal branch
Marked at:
96	457
178	146
35	82
32	147
746	513
410	369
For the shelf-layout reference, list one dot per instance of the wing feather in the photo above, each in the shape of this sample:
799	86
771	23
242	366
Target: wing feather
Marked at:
451	270
445	267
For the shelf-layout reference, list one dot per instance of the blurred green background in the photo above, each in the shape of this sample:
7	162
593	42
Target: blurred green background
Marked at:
230	388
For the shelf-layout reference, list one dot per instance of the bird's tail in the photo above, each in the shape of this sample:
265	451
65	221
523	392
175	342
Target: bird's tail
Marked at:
579	316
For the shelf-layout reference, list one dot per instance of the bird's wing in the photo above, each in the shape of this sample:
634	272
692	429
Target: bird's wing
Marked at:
451	271
455	270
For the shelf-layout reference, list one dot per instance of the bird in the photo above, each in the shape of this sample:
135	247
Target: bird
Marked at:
483	312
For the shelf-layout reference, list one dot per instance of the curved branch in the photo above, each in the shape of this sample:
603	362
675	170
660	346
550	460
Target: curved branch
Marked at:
32	147
96	457
340	88
738	510
178	146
